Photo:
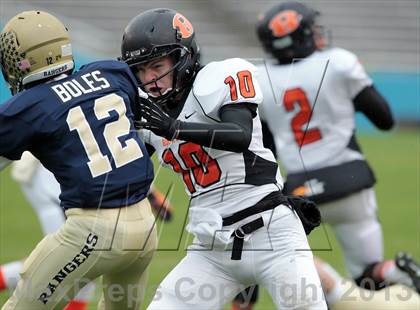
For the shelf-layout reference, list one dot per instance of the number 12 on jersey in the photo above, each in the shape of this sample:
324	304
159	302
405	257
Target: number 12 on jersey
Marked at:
99	163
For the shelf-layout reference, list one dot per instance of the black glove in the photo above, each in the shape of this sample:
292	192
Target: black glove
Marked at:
157	120
307	211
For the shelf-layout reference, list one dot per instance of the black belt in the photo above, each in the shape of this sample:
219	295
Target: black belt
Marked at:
269	202
239	235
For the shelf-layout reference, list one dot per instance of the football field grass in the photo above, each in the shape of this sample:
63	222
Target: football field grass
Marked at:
395	158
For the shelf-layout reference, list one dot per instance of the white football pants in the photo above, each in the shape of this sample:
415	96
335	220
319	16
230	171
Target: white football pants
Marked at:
357	228
277	257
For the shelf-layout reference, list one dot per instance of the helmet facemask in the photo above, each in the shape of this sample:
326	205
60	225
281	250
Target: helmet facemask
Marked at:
322	35
179	57
157	33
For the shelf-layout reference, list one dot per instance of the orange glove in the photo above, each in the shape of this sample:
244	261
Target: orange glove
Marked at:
161	206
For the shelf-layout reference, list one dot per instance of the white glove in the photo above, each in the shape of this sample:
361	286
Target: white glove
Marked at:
143	94
206	225
24	169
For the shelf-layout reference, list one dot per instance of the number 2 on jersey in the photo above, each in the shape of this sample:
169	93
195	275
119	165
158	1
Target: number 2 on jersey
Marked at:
98	163
301	119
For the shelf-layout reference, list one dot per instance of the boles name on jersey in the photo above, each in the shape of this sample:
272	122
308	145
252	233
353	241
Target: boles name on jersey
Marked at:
80	127
214	176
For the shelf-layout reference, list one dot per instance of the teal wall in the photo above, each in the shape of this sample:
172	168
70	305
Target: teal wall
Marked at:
402	90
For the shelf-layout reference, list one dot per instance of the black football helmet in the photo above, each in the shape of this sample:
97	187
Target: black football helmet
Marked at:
287	31
157	33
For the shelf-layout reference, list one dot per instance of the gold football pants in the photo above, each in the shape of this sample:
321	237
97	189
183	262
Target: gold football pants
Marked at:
117	244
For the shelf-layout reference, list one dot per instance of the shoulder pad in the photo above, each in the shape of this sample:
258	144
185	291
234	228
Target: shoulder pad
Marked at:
341	59
225	82
349	70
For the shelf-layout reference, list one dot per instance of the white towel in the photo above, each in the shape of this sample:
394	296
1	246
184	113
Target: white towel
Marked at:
206	225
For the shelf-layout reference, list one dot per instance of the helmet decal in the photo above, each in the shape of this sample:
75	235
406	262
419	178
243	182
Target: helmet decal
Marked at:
183	25
10	56
285	23
287	31
24	65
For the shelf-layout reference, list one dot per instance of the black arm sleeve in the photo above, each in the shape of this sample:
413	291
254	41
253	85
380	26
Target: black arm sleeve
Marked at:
371	103
150	149
268	139
233	134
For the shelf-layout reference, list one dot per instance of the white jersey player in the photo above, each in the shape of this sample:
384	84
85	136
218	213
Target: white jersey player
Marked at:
308	107
310	99
205	126
205	169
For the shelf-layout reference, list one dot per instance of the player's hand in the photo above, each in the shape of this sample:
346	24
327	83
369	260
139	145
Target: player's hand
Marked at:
161	206
156	120
307	211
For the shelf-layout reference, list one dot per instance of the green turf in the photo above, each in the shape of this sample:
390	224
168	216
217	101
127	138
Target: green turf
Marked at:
395	158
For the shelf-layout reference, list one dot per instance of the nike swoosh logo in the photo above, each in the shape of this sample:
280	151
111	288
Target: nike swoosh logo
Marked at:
188	116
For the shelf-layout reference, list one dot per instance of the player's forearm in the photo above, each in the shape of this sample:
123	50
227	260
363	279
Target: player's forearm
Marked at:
233	133
222	136
371	103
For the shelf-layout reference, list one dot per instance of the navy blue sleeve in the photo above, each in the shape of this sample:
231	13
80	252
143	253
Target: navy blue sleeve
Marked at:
15	136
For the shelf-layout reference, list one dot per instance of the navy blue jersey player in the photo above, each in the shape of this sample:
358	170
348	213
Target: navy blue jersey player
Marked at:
80	126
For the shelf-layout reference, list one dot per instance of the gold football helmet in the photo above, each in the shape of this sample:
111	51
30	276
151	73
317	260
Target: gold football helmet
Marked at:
34	46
